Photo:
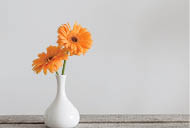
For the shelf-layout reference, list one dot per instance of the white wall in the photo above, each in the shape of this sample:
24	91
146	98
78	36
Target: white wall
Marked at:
138	62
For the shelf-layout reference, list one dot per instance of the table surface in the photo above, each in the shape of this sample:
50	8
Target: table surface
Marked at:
102	121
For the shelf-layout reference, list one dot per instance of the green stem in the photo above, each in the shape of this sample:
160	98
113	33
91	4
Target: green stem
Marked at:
57	73
63	70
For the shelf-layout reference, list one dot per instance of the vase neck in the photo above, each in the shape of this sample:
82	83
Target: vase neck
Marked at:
61	85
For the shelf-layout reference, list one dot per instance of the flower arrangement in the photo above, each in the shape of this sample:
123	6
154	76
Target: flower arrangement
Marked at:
70	42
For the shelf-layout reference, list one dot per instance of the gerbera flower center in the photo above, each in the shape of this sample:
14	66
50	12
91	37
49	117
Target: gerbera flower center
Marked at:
49	58
74	39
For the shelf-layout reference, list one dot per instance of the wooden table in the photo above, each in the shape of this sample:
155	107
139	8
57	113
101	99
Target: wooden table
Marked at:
103	121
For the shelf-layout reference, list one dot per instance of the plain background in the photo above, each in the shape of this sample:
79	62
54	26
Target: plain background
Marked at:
138	63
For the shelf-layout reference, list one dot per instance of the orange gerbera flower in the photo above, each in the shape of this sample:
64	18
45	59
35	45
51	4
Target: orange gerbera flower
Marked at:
52	60
77	41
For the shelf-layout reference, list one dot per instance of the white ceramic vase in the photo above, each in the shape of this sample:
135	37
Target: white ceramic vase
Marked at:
61	113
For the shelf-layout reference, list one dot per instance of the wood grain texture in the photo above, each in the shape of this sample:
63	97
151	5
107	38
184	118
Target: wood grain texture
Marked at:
102	121
105	125
37	119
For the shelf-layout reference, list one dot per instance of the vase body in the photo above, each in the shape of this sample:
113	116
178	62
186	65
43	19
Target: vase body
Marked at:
61	113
